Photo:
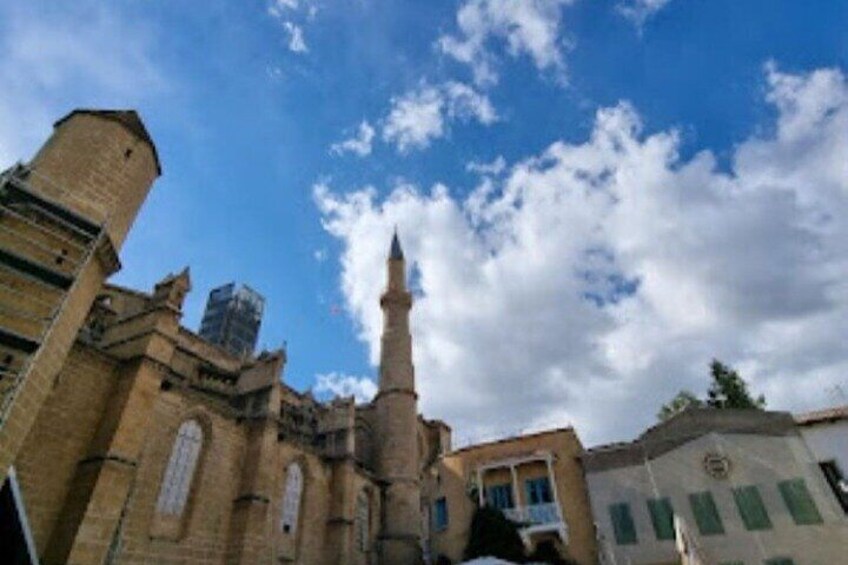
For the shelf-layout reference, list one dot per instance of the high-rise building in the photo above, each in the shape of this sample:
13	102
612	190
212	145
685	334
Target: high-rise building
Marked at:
232	318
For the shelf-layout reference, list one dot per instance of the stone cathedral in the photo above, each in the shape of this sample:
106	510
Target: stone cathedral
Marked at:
126	438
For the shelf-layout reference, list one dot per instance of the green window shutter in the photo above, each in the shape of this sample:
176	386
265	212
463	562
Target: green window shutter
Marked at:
800	503
662	517
779	561
706	513
622	524
751	508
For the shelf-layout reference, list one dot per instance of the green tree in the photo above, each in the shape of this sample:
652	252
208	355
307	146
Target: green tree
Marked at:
729	390
493	535
679	403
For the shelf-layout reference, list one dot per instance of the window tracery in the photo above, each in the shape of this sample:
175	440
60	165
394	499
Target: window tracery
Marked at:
179	473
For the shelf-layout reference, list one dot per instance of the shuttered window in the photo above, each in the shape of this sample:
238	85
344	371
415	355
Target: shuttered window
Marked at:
500	496
440	514
751	508
706	513
622	524
837	482
800	503
538	491
662	517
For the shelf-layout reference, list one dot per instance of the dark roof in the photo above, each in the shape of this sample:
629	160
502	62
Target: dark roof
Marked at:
396	252
684	427
127	118
821	416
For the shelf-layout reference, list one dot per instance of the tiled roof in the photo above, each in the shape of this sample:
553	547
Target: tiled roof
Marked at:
684	427
819	416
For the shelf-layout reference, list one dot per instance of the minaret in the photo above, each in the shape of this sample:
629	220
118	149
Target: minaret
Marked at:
397	416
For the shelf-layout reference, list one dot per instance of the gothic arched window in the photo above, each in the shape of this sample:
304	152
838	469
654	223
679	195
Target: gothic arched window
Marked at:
180	471
291	499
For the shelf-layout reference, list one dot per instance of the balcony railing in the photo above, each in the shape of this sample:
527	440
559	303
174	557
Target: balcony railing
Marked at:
534	515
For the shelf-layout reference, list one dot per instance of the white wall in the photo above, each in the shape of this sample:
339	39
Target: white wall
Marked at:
829	440
756	460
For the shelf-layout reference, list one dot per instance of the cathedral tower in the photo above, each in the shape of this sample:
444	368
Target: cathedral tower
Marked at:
397	415
64	217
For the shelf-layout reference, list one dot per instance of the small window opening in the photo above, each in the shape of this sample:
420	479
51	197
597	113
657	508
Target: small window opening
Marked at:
61	257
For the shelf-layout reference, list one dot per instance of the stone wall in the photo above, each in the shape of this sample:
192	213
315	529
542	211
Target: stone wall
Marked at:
59	440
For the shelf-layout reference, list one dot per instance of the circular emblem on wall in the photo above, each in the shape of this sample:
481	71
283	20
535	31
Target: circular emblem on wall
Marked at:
717	465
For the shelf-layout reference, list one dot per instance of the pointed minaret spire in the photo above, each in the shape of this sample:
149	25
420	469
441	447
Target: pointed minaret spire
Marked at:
396	267
396	252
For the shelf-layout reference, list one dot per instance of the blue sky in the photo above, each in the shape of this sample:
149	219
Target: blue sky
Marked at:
250	104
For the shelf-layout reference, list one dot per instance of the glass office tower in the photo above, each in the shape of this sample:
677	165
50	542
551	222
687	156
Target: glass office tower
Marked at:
232	318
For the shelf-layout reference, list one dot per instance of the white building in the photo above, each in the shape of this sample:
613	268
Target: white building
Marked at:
741	484
826	433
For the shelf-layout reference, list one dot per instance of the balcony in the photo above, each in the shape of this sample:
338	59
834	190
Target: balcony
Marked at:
536	515
543	513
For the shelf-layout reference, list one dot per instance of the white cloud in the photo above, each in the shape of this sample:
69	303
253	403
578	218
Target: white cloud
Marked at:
527	27
465	103
593	281
362	389
296	41
360	144
283	12
415	119
274	73
638	11
320	255
422	115
43	54
496	167
278	8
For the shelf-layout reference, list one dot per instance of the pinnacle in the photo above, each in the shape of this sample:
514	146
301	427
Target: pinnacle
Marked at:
396	252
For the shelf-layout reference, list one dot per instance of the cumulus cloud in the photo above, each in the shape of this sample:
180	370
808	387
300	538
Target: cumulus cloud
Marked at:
360	144
283	12
496	167
43	52
362	389
589	283
423	114
526	27
638	11
278	8
296	42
